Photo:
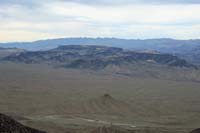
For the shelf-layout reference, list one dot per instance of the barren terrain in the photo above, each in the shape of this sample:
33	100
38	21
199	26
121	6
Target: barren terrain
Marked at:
61	100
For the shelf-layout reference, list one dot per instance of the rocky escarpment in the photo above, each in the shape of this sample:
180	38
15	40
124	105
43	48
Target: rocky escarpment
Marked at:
96	57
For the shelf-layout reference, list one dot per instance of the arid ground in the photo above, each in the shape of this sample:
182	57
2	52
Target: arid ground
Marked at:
64	100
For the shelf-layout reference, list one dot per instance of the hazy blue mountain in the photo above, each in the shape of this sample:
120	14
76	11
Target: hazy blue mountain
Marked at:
187	49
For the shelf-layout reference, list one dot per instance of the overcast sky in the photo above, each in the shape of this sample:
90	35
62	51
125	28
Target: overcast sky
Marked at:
27	20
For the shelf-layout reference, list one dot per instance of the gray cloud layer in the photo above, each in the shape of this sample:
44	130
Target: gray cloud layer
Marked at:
113	2
101	2
24	20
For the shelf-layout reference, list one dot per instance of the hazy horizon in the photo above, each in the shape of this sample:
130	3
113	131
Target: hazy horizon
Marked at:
43	39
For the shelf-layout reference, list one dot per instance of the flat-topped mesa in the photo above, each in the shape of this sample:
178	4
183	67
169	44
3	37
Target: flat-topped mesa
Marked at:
64	47
96	58
88	49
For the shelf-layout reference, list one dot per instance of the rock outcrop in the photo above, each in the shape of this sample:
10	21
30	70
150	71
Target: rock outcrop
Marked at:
9	125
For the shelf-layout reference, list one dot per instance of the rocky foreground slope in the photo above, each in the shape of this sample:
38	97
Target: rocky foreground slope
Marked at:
8	125
196	131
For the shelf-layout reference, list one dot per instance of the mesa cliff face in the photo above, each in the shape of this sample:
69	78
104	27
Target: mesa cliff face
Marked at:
96	57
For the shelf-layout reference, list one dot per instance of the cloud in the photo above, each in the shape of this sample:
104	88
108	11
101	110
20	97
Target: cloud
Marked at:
155	14
126	2
32	3
31	20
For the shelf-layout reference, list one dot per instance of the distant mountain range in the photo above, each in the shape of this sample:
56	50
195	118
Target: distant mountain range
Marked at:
96	57
186	49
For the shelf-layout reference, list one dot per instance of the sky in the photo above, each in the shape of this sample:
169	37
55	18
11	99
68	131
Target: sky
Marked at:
29	20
